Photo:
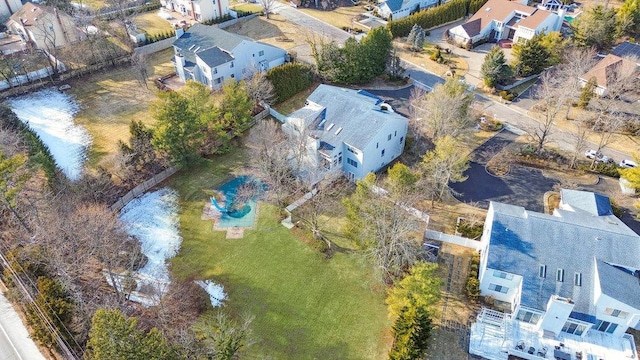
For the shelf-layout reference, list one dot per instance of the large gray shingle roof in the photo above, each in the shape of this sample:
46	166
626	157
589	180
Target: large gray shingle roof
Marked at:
202	37
355	111
618	283
214	56
522	240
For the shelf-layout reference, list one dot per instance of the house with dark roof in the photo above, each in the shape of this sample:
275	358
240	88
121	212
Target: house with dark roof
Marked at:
397	9
628	50
506	20
345	131
607	71
568	283
210	55
44	27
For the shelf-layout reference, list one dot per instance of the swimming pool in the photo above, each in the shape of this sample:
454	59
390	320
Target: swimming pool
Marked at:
238	214
569	19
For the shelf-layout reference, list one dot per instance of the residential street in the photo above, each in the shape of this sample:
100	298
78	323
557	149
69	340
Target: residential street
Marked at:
512	115
15	343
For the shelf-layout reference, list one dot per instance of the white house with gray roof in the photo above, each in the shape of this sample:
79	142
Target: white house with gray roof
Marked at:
569	282
345	130
210	55
397	9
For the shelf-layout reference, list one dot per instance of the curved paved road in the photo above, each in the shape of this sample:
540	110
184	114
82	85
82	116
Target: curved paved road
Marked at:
15	343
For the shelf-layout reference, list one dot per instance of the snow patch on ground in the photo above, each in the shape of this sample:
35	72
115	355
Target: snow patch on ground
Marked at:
153	220
215	291
50	114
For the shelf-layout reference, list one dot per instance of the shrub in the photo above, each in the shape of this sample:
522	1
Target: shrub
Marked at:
289	79
507	95
469	230
608	169
472	287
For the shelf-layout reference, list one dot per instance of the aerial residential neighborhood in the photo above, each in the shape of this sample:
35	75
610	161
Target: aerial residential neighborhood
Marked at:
320	179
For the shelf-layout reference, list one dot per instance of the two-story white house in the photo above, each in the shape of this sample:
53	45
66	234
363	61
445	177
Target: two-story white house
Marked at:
44	27
345	130
397	9
568	282
506	20
210	55
198	10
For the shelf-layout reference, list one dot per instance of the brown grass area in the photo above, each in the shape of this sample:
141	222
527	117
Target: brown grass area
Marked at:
276	31
151	23
443	215
340	17
422	59
109	100
296	102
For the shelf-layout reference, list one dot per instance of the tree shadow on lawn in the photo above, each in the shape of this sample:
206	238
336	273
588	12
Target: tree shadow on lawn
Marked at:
280	329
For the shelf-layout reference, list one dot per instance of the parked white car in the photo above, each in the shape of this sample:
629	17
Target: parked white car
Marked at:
590	154
626	163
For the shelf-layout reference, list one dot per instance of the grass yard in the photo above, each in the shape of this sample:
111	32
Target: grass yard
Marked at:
252	8
296	102
305	307
422	58
110	99
340	17
152	24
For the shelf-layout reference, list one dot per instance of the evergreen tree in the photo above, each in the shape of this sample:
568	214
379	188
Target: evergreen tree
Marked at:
629	18
595	27
495	69
56	306
531	57
114	336
587	93
411	333
181	117
416	38
418	289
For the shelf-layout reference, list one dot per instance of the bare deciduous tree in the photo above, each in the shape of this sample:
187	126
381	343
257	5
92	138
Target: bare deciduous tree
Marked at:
444	111
259	88
553	95
268	6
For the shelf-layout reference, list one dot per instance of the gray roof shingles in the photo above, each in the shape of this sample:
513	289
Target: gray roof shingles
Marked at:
214	56
618	283
357	113
627	49
521	241
202	37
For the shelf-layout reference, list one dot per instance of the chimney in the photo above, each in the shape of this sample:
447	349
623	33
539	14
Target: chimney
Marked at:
179	32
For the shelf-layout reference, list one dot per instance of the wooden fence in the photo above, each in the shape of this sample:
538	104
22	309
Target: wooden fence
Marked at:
142	188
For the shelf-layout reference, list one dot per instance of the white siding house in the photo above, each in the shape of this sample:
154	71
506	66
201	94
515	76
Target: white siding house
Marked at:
9	7
211	56
567	281
397	9
346	131
198	10
506	20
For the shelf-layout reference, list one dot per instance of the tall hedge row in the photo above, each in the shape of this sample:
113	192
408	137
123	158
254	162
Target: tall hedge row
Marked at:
475	5
39	153
431	17
289	79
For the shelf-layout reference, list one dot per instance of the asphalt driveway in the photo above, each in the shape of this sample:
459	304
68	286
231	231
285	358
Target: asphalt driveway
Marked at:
522	186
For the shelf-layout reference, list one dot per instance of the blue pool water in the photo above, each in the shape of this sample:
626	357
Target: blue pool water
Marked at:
240	215
569	19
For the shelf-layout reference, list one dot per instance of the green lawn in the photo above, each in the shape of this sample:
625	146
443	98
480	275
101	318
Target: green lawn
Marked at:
305	307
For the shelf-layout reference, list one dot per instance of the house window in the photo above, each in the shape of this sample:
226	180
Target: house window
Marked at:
377	144
573	328
215	70
395	133
616	313
502	275
498	288
389	137
217	80
560	275
401	139
382	153
352	163
261	53
350	149
605	326
528	317
233	75
577	279
231	64
542	271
